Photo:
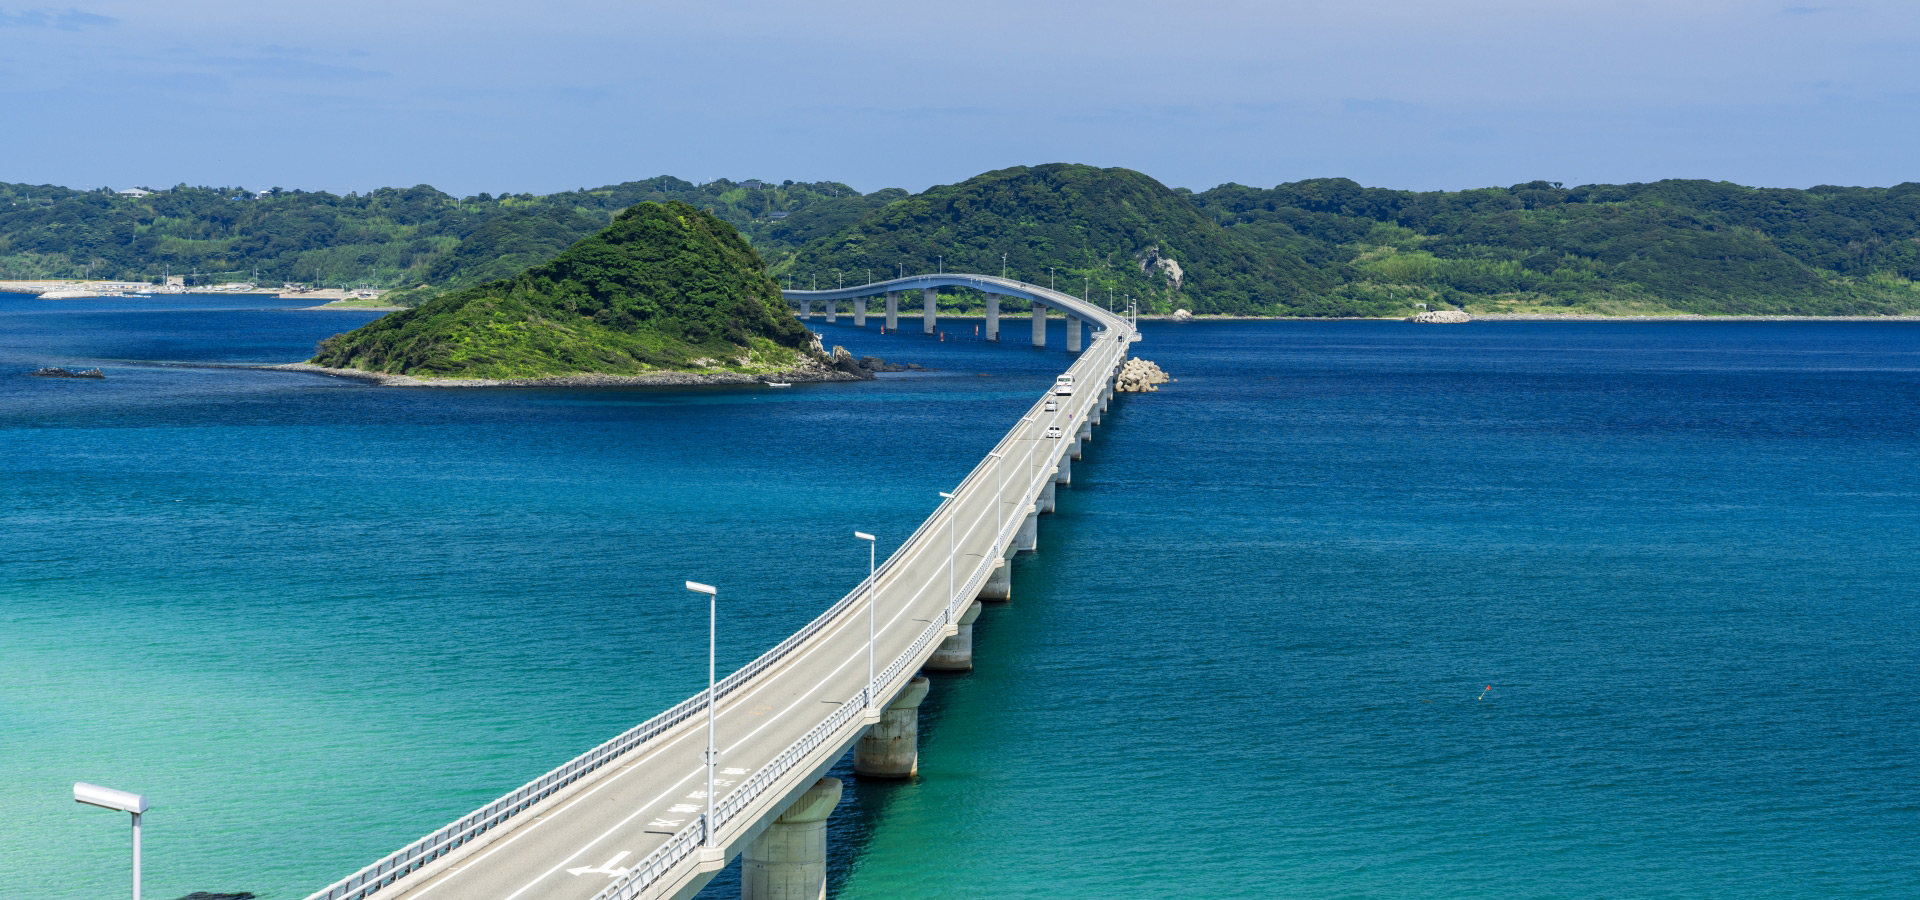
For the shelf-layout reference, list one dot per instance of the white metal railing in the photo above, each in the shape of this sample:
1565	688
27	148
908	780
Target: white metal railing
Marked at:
412	857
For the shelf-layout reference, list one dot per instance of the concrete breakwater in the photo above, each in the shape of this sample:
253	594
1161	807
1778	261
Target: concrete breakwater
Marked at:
1138	376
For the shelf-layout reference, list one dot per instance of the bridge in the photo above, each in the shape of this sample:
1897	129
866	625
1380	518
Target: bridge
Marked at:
647	815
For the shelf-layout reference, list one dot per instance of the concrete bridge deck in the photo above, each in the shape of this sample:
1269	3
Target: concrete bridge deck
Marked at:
629	819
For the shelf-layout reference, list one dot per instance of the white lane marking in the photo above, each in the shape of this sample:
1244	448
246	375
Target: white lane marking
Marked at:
699	770
611	868
827	638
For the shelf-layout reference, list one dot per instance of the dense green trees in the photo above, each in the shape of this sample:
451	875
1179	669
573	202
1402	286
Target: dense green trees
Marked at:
1324	247
663	287
390	237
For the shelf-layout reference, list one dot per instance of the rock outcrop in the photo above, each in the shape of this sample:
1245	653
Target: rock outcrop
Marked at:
1183	315
58	372
1139	375
1441	317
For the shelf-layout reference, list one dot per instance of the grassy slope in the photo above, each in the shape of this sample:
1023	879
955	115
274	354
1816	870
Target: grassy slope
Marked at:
664	288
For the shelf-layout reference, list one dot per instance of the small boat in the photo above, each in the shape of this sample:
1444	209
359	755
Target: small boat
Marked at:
779	384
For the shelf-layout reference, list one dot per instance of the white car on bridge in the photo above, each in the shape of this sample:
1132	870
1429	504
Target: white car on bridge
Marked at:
1053	431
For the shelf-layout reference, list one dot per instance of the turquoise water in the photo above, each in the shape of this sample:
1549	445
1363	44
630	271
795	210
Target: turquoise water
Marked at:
313	620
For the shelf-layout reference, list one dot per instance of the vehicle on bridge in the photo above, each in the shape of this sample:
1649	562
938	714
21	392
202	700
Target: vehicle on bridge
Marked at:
1051	407
1053	431
1063	386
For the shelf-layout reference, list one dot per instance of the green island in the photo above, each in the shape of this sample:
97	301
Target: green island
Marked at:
665	288
1319	247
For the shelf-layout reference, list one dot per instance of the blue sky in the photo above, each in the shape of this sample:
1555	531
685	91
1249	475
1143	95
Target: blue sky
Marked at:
478	96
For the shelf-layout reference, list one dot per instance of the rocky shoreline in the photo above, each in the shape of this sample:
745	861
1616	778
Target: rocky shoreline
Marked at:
839	366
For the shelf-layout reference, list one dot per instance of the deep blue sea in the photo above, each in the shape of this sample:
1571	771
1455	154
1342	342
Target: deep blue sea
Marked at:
1353	609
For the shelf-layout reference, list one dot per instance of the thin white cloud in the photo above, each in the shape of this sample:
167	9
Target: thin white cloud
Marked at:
59	19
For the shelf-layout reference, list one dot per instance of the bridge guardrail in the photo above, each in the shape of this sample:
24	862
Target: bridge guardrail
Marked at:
462	831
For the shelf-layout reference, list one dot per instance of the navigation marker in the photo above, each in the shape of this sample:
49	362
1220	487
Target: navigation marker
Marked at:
1483	693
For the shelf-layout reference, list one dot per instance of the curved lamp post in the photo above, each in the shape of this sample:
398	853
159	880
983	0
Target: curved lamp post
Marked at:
872	599
122	801
713	755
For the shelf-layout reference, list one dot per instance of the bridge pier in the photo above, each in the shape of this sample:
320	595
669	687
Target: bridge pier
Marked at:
891	746
1073	450
1073	333
788	861
893	311
1064	474
1027	539
993	317
928	296
860	312
955	654
1045	505
832	309
806	309
1039	324
999	586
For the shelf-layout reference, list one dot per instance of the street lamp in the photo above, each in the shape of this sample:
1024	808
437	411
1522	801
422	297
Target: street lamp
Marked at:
953	510
871	600
108	798
1049	278
713	754
1003	267
942	270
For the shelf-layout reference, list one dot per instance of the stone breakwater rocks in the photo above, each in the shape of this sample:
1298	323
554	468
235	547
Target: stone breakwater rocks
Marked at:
1139	375
1441	317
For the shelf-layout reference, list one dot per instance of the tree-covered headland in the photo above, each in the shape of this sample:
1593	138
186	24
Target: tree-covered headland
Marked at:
1323	247
665	287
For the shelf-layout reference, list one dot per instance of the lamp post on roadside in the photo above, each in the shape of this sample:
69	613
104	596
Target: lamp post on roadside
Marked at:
871	600
712	753
122	801
1003	267
953	510
1049	278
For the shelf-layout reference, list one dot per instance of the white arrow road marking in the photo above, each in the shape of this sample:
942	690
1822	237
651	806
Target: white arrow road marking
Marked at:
611	868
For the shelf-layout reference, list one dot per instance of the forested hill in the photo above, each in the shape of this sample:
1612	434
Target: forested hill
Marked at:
392	237
1332	247
666	287
1694	246
1318	247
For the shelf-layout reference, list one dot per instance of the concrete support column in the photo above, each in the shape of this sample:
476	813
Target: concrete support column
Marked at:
1065	474
860	312
993	317
1073	451
832	309
788	861
1045	505
1039	325
1073	333
999	586
955	654
1027	539
893	311
891	746
1086	431
1093	412
806	309
928	295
